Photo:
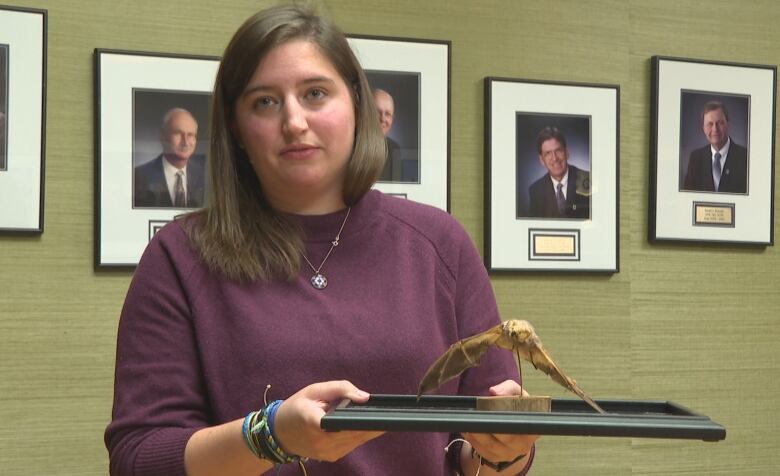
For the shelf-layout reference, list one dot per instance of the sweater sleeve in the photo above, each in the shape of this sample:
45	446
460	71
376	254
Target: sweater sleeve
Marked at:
159	395
476	311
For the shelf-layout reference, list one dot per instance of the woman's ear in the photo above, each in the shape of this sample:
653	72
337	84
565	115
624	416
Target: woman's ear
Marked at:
356	88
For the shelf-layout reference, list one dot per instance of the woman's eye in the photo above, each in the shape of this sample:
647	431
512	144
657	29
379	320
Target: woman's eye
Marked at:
265	102
317	93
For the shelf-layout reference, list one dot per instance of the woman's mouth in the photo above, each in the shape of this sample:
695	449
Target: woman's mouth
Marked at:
299	151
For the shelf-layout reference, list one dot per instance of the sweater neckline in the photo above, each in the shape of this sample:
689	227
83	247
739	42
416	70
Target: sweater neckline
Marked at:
318	228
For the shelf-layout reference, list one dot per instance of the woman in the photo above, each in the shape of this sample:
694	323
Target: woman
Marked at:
298	277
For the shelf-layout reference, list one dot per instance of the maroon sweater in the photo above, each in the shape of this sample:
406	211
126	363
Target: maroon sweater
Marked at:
195	349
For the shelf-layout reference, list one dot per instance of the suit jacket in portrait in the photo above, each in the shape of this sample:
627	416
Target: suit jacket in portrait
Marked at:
392	169
151	190
545	205
733	178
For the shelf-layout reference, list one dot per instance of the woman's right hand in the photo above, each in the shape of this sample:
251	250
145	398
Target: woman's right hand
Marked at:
297	422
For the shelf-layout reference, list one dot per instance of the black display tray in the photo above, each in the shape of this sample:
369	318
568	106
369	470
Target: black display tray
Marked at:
572	417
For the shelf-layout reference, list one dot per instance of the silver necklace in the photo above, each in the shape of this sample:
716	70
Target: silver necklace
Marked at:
318	280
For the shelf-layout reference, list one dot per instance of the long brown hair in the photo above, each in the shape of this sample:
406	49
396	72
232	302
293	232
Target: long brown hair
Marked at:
238	232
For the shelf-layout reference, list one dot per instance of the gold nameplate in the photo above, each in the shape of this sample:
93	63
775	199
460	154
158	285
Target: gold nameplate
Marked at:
713	214
554	245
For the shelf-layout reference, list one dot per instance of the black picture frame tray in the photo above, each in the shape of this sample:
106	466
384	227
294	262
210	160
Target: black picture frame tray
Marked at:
568	417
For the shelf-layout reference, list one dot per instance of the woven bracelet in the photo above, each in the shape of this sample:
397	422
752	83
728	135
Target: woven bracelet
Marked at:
258	436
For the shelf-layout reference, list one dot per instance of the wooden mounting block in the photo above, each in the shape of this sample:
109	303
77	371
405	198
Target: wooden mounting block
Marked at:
514	404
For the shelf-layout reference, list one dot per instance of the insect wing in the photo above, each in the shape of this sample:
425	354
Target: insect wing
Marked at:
460	356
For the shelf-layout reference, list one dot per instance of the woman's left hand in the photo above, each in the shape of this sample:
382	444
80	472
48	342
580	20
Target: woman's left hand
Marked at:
502	447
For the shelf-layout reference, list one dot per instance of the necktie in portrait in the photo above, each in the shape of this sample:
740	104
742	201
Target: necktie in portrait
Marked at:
716	170
560	198
180	199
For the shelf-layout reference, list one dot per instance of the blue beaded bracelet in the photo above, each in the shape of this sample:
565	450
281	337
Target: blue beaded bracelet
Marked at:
258	436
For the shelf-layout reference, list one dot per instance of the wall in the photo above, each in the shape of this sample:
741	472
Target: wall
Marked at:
692	324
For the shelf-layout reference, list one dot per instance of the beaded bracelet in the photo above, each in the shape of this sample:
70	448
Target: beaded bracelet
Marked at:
259	438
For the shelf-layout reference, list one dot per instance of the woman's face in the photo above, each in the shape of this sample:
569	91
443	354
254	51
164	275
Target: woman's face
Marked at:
296	121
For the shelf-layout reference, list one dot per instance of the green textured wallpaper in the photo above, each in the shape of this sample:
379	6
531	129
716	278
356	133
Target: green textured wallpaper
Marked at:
693	324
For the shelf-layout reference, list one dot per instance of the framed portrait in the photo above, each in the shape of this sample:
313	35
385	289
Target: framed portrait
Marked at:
22	119
152	138
551	176
712	152
410	80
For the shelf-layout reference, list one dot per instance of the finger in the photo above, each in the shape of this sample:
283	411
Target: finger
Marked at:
526	394
336	390
506	388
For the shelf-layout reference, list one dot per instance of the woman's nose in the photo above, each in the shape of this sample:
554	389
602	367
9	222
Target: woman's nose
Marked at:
294	118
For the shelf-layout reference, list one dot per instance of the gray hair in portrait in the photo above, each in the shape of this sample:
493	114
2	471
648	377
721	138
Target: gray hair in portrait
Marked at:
151	109
573	133
402	130
694	140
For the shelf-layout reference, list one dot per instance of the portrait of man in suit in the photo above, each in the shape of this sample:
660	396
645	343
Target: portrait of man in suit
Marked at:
721	165
385	106
176	177
564	191
396	96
